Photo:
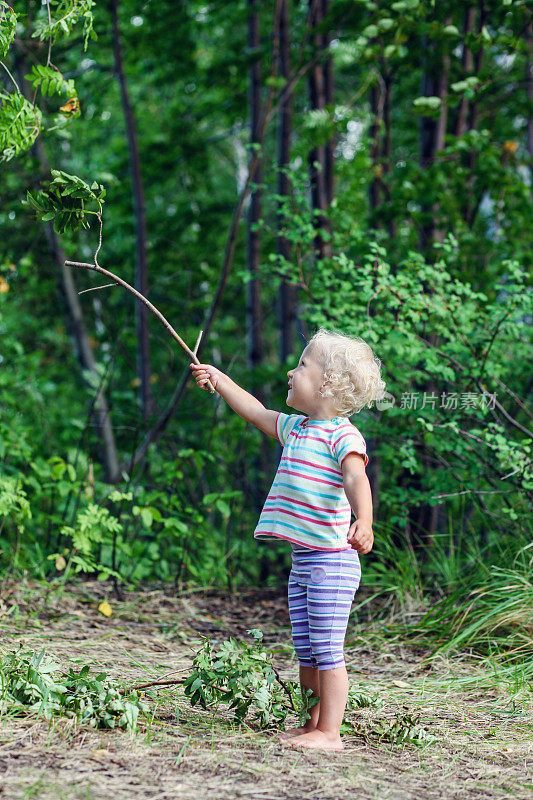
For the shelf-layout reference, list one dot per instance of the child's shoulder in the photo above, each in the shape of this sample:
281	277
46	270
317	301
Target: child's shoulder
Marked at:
345	425
290	417
286	423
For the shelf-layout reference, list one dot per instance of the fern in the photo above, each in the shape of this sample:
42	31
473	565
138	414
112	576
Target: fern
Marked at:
13	499
93	530
64	15
92	524
20	123
50	81
317	118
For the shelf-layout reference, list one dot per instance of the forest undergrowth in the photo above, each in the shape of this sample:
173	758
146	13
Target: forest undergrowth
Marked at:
421	721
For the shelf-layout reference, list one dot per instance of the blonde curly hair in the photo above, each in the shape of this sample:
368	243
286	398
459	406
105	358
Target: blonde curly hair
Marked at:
351	371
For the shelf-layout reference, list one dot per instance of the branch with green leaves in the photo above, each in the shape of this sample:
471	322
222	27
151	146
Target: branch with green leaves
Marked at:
21	120
62	17
8	26
243	676
65	202
29	683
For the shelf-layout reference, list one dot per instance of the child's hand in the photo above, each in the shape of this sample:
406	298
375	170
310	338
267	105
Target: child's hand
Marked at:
360	536
205	372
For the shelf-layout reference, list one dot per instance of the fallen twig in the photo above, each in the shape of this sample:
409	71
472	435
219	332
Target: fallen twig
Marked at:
95	288
139	686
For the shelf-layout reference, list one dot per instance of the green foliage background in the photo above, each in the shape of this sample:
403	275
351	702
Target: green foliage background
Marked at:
451	317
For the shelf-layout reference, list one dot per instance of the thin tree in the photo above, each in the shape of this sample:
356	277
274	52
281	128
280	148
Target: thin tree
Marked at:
287	291
141	261
380	133
321	95
254	311
227	262
469	109
432	132
66	286
467	63
529	91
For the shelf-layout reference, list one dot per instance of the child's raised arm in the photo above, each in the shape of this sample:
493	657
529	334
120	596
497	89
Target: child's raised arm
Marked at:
245	404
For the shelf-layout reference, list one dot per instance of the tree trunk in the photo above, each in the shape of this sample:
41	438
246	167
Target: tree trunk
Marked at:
74	315
387	137
321	157
427	148
431	140
141	266
377	102
287	291
438	234
380	149
254	313
471	205
426	139
468	64
254	319
529	91
227	262
376	115
329	92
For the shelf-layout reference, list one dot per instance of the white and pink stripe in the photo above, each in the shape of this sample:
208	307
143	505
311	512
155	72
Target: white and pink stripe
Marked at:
307	504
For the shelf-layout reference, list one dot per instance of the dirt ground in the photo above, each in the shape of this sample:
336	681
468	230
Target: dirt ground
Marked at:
483	729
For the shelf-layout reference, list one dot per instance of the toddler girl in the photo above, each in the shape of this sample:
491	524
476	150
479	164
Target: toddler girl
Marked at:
320	478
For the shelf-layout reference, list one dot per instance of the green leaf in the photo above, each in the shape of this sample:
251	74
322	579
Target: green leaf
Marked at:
223	507
147	518
65	15
451	30
385	24
64	200
20	124
424	103
8	26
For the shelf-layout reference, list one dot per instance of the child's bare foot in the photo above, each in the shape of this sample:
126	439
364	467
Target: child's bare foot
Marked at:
316	740
294	732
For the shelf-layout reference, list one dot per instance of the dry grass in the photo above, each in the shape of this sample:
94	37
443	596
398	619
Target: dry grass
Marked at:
484	733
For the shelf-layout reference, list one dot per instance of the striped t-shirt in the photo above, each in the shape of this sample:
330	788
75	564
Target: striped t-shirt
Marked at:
307	503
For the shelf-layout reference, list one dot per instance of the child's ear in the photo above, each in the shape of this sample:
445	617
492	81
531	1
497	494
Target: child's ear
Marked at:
326	381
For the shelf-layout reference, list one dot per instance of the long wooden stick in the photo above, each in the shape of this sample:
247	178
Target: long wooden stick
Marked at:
192	355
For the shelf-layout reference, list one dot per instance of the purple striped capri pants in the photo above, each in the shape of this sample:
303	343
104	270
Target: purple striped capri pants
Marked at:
322	585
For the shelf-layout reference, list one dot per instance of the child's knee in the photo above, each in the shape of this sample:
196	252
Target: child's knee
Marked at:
331	664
